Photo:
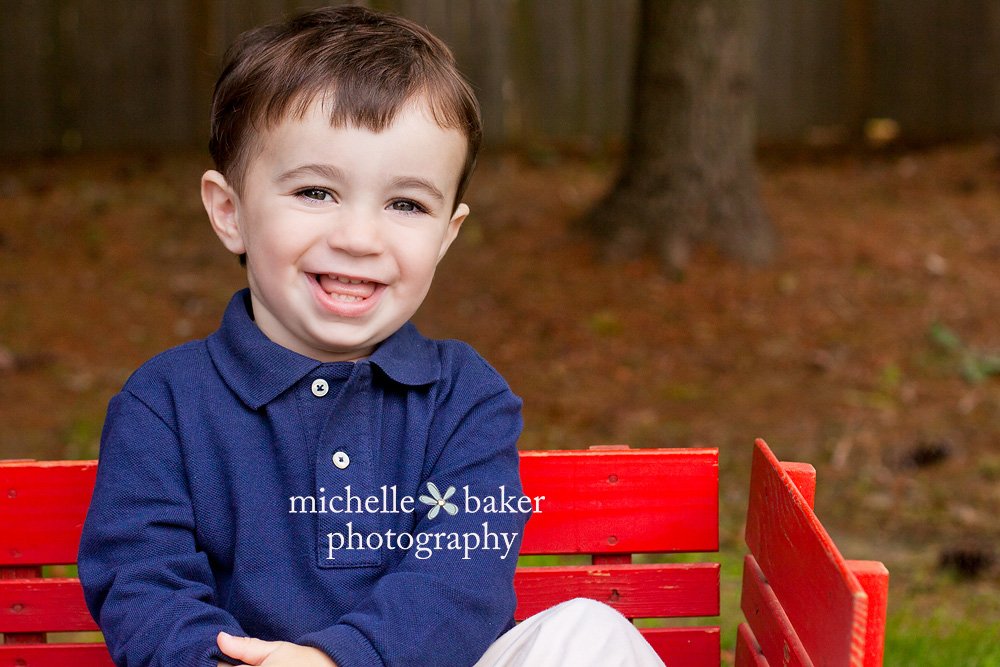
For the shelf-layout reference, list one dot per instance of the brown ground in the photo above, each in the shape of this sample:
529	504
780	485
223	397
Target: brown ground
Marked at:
838	355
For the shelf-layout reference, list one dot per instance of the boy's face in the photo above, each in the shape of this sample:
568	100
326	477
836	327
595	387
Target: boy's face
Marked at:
342	227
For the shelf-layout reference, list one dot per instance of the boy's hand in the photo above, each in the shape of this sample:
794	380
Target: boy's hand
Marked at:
272	654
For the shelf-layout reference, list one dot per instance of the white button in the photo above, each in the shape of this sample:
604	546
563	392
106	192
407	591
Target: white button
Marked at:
320	387
341	460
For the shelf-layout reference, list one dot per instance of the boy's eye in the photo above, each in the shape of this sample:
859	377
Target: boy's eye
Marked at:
316	194
406	206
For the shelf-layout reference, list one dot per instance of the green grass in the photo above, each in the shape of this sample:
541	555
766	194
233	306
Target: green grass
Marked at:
936	641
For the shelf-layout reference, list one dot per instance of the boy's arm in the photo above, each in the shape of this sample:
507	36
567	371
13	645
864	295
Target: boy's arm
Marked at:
447	606
251	651
146	583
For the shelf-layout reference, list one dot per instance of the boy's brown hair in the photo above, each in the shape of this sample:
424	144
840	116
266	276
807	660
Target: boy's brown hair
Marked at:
363	65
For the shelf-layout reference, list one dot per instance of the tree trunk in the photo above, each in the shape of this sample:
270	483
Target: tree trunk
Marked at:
689	173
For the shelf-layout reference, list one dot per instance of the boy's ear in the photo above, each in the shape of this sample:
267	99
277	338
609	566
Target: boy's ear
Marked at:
220	201
457	218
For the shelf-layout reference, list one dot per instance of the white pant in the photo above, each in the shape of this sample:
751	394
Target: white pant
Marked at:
576	633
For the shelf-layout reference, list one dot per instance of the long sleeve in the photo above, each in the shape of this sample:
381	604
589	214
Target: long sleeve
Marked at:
445	603
146	582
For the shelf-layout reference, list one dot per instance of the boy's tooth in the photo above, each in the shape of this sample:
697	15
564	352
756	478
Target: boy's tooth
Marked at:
336	285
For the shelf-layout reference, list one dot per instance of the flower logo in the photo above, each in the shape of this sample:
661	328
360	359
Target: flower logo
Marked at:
439	501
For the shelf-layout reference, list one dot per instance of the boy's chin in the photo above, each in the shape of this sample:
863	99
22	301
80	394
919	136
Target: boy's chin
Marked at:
343	349
342	352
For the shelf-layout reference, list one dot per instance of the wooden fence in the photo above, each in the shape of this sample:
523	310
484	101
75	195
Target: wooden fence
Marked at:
125	73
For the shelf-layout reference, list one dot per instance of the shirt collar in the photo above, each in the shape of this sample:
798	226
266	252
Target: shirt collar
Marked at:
259	370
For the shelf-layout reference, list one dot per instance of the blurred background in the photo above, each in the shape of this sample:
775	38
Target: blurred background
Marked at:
868	345
97	74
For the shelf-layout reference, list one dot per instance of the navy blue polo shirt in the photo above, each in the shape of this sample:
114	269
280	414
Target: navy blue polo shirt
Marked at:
367	508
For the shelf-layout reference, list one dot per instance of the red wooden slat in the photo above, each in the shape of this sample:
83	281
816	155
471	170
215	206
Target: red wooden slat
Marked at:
822	599
595	502
43	605
608	502
766	618
748	653
685	647
803	476
874	578
56	655
42	507
637	591
612	559
628	501
25	638
31	572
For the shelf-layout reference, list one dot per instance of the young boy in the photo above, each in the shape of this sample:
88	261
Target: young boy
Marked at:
301	487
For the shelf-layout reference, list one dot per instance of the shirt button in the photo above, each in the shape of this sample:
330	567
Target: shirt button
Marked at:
341	460
320	387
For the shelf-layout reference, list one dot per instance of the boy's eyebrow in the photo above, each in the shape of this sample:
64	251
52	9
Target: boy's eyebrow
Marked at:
326	171
419	184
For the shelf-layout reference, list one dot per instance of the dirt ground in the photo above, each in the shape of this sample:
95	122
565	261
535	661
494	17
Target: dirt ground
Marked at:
868	349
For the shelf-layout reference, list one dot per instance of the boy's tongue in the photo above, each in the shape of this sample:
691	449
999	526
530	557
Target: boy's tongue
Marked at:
334	285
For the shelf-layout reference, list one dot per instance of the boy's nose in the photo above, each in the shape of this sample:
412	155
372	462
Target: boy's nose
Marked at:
356	233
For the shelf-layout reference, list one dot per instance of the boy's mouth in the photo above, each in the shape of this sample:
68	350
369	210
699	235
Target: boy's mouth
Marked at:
346	289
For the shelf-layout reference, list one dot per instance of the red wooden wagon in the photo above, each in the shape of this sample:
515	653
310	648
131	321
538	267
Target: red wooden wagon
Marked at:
804	604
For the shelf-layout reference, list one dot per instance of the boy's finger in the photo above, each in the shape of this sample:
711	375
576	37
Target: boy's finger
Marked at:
250	650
